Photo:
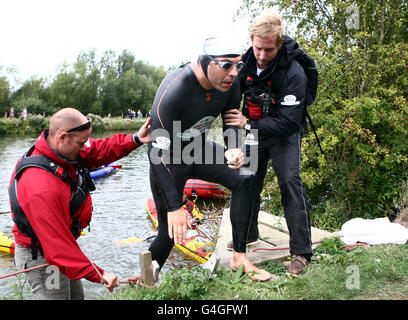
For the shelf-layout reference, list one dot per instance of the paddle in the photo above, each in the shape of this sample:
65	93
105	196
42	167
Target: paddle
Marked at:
7	247
133	239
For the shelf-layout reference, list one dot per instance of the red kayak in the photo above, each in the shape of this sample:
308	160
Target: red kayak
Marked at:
203	189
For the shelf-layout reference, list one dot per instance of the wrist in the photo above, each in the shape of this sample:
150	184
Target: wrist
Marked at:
136	139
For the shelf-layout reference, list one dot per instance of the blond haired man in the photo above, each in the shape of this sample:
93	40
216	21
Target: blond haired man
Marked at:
274	87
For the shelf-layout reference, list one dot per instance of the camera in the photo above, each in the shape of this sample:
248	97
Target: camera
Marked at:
258	98
266	103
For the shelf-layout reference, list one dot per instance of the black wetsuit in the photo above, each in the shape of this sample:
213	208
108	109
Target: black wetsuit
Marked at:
182	113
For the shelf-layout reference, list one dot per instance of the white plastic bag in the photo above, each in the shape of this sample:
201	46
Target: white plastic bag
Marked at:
377	231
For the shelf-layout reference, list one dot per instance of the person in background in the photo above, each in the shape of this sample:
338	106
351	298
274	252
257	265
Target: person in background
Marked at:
51	203
24	112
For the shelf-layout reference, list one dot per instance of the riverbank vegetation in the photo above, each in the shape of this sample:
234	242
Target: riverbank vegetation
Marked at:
35	124
376	272
335	273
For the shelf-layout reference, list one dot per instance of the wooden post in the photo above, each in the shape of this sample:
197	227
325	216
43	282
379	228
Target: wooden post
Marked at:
146	268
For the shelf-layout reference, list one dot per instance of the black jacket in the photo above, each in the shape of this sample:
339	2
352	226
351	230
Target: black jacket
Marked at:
288	83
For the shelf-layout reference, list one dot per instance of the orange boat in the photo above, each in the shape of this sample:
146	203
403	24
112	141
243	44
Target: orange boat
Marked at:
203	189
196	246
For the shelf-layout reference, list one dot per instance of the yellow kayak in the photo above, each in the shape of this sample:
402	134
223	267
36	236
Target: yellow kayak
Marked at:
6	244
196	246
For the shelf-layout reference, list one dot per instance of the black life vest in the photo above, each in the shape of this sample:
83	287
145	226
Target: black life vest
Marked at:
260	98
78	196
260	102
273	87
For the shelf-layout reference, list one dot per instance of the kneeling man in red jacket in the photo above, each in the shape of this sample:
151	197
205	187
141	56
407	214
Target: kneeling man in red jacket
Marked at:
51	203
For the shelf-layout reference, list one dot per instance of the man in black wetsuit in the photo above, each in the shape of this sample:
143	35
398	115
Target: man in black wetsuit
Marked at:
187	102
274	87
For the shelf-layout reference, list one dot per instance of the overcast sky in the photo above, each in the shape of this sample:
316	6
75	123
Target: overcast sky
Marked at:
39	35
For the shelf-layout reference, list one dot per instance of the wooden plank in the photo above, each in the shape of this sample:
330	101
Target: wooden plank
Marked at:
274	232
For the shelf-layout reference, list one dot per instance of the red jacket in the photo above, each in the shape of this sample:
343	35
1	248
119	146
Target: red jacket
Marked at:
45	199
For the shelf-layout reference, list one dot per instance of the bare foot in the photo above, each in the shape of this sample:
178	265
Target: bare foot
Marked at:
241	258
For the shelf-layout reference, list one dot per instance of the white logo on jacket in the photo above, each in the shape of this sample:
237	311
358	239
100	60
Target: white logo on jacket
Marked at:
197	129
290	100
162	143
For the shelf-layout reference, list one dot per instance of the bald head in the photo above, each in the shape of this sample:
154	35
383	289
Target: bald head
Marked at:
69	131
66	119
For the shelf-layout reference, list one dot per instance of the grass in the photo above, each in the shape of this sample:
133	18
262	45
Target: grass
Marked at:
365	273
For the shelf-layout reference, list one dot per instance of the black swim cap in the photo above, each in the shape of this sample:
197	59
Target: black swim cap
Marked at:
204	62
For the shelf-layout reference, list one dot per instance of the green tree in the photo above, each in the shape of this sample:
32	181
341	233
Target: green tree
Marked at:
109	85
87	82
109	93
138	82
130	88
361	112
4	95
30	95
126	61
60	93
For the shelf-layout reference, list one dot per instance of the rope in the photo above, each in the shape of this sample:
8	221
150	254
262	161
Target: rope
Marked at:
99	274
25	270
347	246
282	248
132	282
350	247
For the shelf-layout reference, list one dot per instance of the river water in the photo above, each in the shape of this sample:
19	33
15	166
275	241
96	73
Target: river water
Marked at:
119	203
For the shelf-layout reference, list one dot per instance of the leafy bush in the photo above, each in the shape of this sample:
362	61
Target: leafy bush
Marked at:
37	124
8	126
361	111
182	284
97	122
119	124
